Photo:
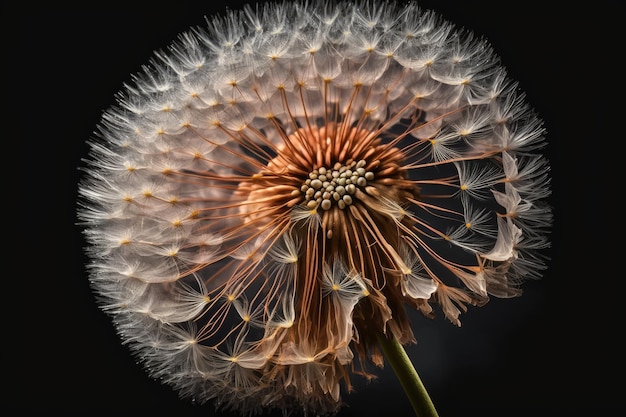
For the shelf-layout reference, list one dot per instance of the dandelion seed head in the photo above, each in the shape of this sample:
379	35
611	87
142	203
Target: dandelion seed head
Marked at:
274	190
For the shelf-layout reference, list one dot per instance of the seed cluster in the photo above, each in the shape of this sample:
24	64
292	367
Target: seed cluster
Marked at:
339	184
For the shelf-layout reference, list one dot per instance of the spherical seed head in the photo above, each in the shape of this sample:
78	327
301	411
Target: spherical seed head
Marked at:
264	200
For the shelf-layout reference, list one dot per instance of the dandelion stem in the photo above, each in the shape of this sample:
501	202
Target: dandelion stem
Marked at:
408	377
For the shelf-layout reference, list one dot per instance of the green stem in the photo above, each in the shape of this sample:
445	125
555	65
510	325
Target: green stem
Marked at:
408	377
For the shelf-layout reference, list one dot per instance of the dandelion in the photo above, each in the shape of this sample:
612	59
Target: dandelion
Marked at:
269	196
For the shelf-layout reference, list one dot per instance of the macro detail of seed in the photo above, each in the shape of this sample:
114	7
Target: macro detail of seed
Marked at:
335	187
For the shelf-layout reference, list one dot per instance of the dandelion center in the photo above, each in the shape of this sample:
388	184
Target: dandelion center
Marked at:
337	186
335	170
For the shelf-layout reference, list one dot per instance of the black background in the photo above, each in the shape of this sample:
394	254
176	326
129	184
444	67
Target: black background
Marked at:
554	350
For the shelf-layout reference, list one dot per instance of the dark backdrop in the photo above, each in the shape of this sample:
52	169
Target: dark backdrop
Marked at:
551	351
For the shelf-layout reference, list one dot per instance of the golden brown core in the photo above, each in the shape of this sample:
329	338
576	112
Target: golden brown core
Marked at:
328	168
